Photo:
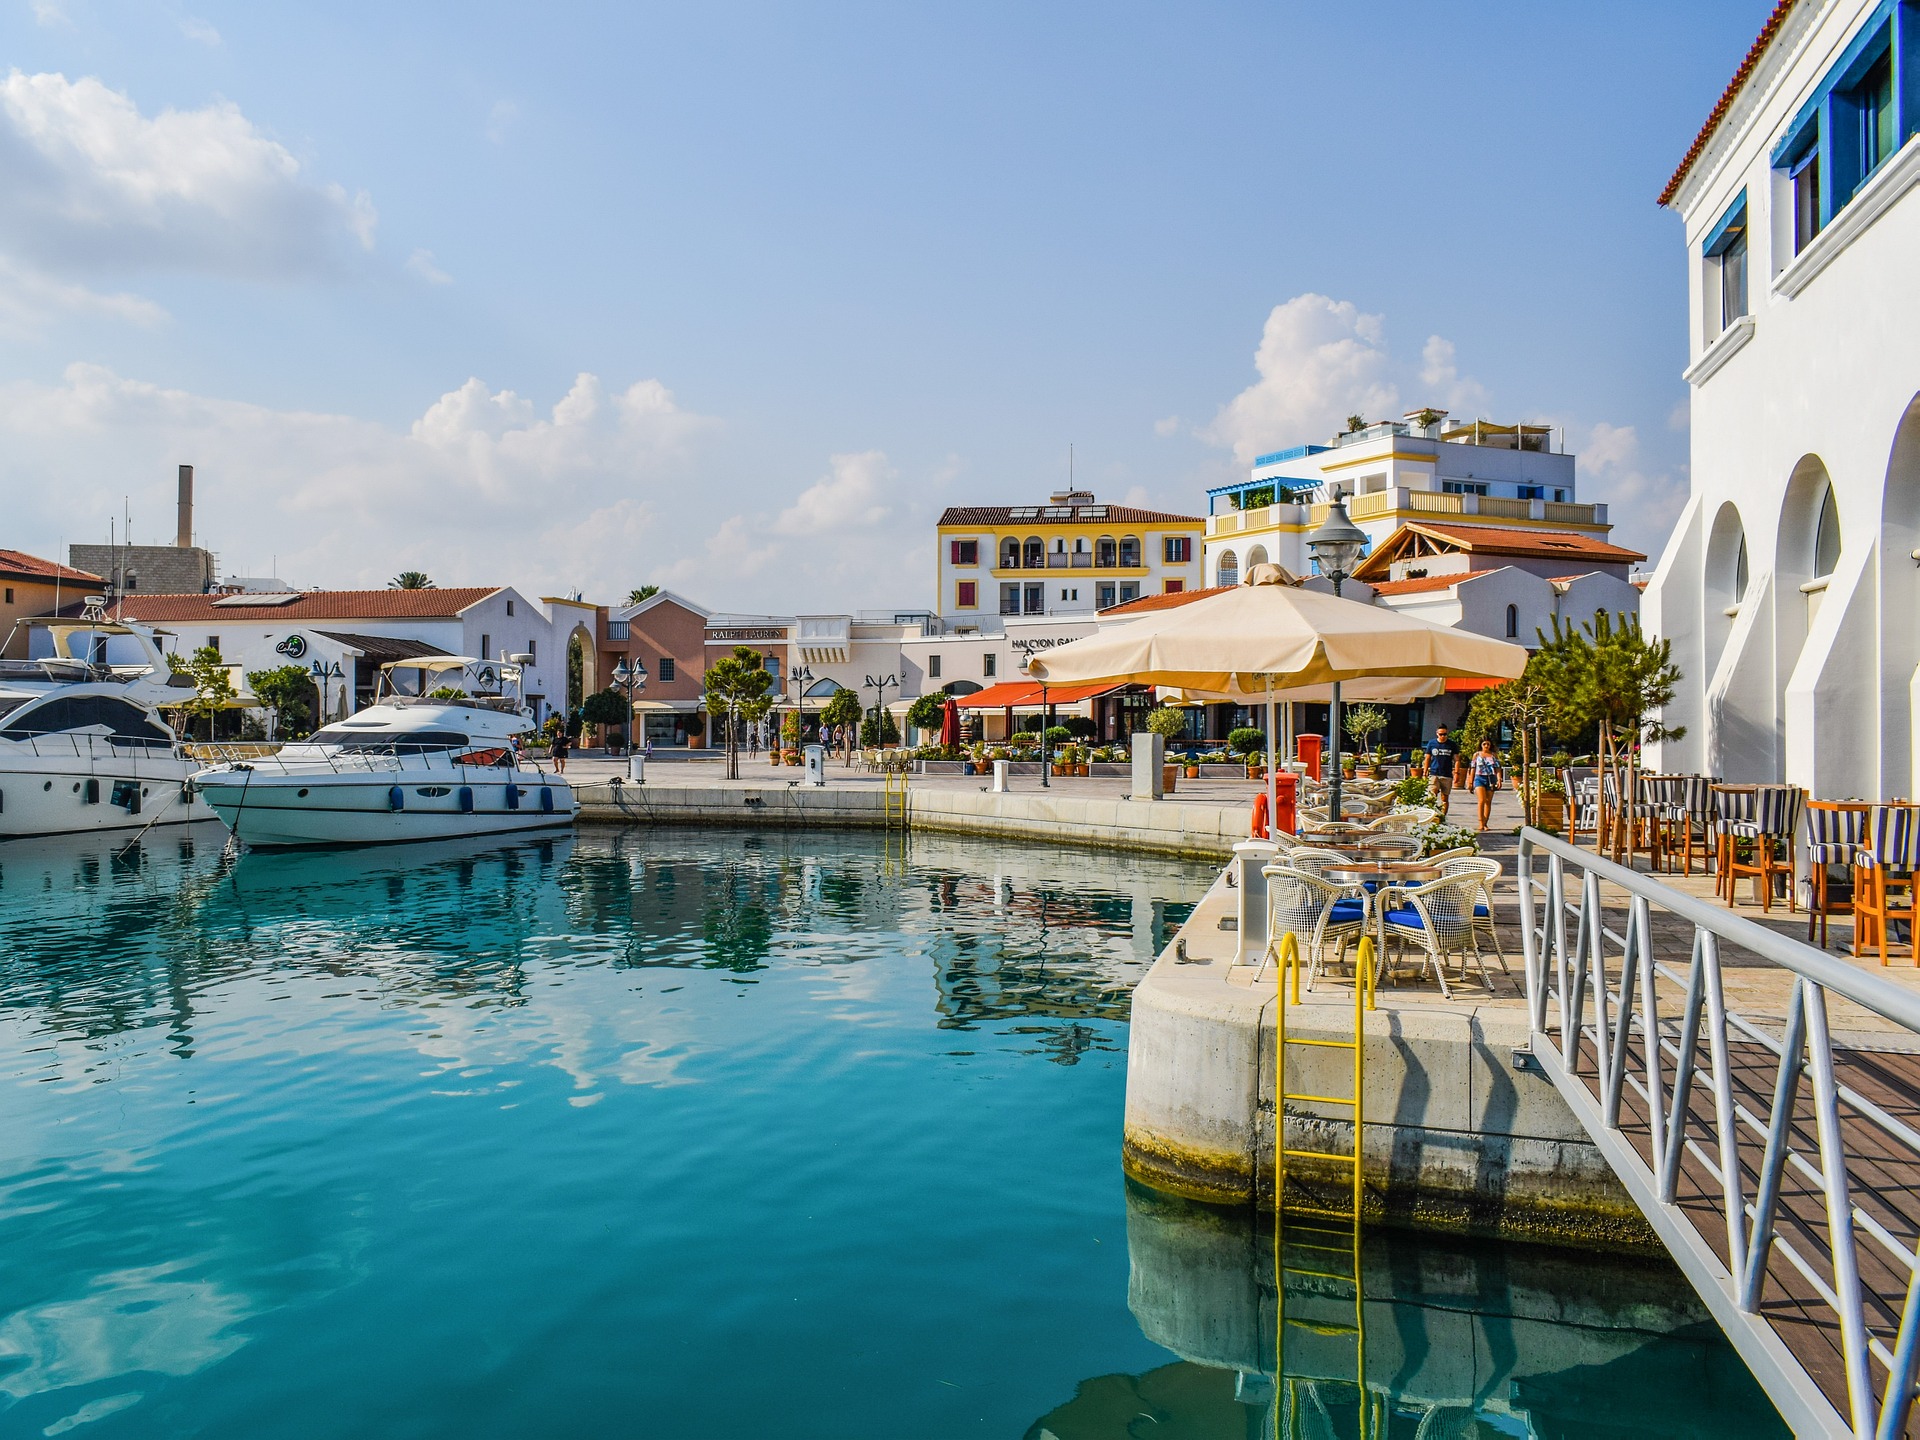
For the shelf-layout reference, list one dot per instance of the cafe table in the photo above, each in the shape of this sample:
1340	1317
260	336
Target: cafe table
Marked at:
1371	874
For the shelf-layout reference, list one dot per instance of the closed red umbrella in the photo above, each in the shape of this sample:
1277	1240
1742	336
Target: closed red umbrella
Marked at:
950	723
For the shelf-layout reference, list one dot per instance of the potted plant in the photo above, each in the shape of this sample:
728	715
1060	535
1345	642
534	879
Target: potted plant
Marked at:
1549	802
1362	722
1168	723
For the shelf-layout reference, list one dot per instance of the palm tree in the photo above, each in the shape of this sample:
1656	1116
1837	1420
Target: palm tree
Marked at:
642	594
410	580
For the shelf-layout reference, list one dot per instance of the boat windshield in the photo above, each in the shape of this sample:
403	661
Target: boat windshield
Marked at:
13	702
400	742
126	723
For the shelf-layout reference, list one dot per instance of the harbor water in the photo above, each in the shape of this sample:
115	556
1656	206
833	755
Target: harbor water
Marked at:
691	1134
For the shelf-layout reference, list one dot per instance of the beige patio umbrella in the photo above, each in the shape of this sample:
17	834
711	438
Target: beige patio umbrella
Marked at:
1265	637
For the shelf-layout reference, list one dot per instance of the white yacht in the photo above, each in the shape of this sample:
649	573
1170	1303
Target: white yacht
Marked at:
429	765
82	746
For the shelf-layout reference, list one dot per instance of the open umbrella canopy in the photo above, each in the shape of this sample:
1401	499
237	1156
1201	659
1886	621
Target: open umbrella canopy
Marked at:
1232	644
1402	691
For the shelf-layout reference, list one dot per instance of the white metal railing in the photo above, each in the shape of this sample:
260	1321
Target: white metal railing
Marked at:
1701	1115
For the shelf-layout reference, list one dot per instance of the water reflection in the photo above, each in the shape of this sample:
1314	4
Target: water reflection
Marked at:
1462	1339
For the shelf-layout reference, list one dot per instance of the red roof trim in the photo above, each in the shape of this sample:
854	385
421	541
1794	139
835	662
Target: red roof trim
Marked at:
1425	582
1162	602
1727	97
18	565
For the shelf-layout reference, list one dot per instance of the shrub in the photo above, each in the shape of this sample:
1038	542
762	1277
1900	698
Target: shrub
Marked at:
1058	735
881	731
1247	741
1413	790
1081	727
1021	738
1167	722
928	711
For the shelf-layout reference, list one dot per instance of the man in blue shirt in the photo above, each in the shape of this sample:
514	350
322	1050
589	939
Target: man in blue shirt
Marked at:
1441	755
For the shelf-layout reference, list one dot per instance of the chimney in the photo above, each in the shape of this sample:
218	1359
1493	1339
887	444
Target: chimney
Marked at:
183	537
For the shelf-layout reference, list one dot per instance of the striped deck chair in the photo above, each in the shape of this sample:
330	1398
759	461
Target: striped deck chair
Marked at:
1883	878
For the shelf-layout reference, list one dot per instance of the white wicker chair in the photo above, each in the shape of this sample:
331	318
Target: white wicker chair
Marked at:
1315	909
1483	928
1438	918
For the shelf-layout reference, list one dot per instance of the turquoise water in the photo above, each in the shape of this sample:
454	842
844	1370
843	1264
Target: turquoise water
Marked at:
677	1135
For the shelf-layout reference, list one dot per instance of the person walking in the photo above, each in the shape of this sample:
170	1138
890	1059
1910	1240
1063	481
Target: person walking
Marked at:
562	743
1483	773
1442	755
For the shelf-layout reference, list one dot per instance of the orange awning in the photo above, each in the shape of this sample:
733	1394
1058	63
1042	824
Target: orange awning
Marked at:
1461	685
1019	694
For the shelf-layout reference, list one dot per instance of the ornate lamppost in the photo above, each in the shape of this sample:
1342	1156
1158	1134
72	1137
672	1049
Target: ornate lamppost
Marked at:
798	681
632	679
1336	544
879	688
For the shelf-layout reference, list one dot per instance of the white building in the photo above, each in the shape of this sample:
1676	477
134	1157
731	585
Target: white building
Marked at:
1422	468
1789	587
359	630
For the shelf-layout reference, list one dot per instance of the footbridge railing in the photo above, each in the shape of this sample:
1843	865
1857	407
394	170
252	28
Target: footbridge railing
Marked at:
1760	1100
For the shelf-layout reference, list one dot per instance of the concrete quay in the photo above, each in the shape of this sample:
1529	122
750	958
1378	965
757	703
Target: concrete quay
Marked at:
1202	821
1458	1137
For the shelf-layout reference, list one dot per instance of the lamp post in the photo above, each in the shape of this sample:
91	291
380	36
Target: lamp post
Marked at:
1046	724
879	688
1335	545
322	672
799	680
632	679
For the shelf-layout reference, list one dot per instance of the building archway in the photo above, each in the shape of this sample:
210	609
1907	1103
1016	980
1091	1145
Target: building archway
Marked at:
583	669
1228	572
1256	556
1727	573
1900	609
1795	551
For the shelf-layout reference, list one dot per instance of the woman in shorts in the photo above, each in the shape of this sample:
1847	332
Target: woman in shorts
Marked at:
1483	773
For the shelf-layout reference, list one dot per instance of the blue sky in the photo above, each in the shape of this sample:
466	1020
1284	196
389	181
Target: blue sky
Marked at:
737	297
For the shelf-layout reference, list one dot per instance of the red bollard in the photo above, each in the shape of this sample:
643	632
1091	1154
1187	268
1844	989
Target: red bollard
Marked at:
1286	801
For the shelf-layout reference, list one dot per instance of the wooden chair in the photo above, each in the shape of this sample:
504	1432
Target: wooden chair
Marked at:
1731	806
1883	885
1583	804
1835	832
1694	820
1772	833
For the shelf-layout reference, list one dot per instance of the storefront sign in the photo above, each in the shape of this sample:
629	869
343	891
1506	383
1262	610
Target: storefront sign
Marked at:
1027	647
718	637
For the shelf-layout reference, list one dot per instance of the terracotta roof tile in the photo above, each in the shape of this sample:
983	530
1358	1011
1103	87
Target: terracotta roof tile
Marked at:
312	605
1496	540
18	565
1727	97
1163	602
1426	582
1000	515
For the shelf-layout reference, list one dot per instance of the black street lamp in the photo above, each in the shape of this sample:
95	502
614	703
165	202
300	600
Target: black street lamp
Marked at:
1336	544
632	679
879	688
799	681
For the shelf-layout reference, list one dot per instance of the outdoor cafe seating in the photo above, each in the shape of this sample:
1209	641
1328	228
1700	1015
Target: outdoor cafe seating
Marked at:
1883	881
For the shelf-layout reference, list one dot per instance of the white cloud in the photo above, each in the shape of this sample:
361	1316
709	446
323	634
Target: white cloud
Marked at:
51	12
28	297
422	263
199	30
95	187
1167	427
602	490
1643	497
1440	374
1319	360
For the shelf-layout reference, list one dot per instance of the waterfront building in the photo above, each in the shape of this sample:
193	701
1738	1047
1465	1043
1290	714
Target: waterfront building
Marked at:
829	651
1789	587
343	636
668	634
1423	468
31	586
1072	556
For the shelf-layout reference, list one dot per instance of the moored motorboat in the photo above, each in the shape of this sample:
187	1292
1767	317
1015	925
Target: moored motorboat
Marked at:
83	746
431	765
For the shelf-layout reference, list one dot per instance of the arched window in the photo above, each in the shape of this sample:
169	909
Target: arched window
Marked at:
1104	551
823	689
1826	536
1229	571
1129	550
1035	557
1010	554
1513	622
1256	556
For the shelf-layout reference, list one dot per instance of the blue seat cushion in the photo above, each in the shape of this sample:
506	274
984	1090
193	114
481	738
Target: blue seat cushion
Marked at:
1405	915
1480	912
1347	912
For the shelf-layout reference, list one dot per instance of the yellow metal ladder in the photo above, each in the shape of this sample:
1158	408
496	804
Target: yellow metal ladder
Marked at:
896	796
1323	1256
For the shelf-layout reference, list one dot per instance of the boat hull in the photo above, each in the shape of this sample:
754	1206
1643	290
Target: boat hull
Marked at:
272	809
78	793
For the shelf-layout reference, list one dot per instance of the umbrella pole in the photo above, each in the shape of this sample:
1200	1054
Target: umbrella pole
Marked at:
1333	744
1273	783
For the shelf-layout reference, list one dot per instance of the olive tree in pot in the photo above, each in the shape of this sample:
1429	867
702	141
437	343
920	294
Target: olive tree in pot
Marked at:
1169	724
1363	722
607	709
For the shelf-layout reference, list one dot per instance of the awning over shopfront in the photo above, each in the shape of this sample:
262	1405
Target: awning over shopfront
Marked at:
1469	685
1021	694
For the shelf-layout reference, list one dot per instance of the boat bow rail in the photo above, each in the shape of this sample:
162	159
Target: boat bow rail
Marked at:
1760	1100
